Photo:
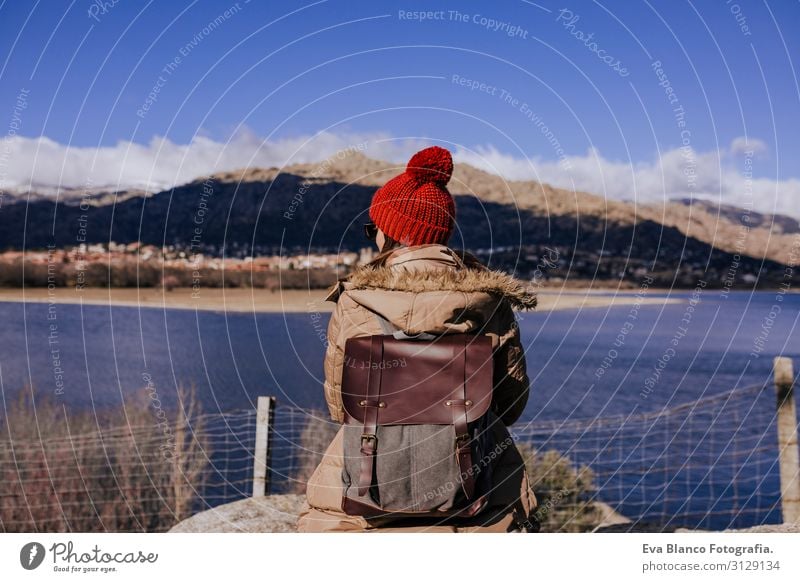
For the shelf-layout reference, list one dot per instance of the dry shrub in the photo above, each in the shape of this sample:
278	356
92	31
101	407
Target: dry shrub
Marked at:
169	282
120	470
563	491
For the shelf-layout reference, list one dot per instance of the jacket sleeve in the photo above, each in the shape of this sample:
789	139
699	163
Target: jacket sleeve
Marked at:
511	384
334	354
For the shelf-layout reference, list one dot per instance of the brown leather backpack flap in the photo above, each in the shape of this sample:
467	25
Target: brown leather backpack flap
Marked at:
419	381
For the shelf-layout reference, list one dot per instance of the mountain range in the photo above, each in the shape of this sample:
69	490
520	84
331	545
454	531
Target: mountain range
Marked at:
322	206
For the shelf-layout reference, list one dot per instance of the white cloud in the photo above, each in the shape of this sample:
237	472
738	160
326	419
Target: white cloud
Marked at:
679	173
41	163
33	163
743	145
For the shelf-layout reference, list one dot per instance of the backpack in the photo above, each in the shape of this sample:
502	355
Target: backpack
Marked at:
418	436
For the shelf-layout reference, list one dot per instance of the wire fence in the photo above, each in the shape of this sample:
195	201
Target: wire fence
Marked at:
708	464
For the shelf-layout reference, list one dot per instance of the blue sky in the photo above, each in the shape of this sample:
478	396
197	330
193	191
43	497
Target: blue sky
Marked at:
282	71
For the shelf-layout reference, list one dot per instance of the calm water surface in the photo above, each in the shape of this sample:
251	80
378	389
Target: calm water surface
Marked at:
582	363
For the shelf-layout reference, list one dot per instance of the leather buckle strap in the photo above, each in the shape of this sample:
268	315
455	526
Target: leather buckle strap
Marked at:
369	439
463	442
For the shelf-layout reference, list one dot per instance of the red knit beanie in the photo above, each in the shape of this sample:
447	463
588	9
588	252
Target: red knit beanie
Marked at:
415	207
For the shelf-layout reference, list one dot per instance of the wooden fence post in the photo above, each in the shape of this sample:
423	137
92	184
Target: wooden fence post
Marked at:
265	420
787	441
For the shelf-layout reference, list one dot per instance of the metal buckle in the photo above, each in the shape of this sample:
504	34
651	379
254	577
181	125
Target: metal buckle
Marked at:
369	443
462	439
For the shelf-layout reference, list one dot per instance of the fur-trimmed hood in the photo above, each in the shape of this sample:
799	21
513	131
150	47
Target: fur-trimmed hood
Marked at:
432	268
465	280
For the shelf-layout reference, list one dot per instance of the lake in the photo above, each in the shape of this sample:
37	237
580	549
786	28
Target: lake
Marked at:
582	363
613	388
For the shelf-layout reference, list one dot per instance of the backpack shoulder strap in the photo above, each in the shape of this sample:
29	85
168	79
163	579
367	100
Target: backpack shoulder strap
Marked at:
389	328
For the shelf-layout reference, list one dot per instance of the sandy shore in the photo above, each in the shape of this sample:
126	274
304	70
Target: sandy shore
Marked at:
263	301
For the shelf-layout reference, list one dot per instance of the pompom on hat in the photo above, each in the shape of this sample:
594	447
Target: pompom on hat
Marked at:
415	207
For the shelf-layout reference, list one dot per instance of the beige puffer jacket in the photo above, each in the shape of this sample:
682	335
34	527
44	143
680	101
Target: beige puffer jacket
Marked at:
428	288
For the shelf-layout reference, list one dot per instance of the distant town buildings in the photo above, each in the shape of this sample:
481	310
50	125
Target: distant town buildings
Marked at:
169	256
137	264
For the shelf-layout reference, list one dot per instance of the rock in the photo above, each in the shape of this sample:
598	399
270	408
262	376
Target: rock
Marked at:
771	528
608	516
271	514
278	514
636	527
